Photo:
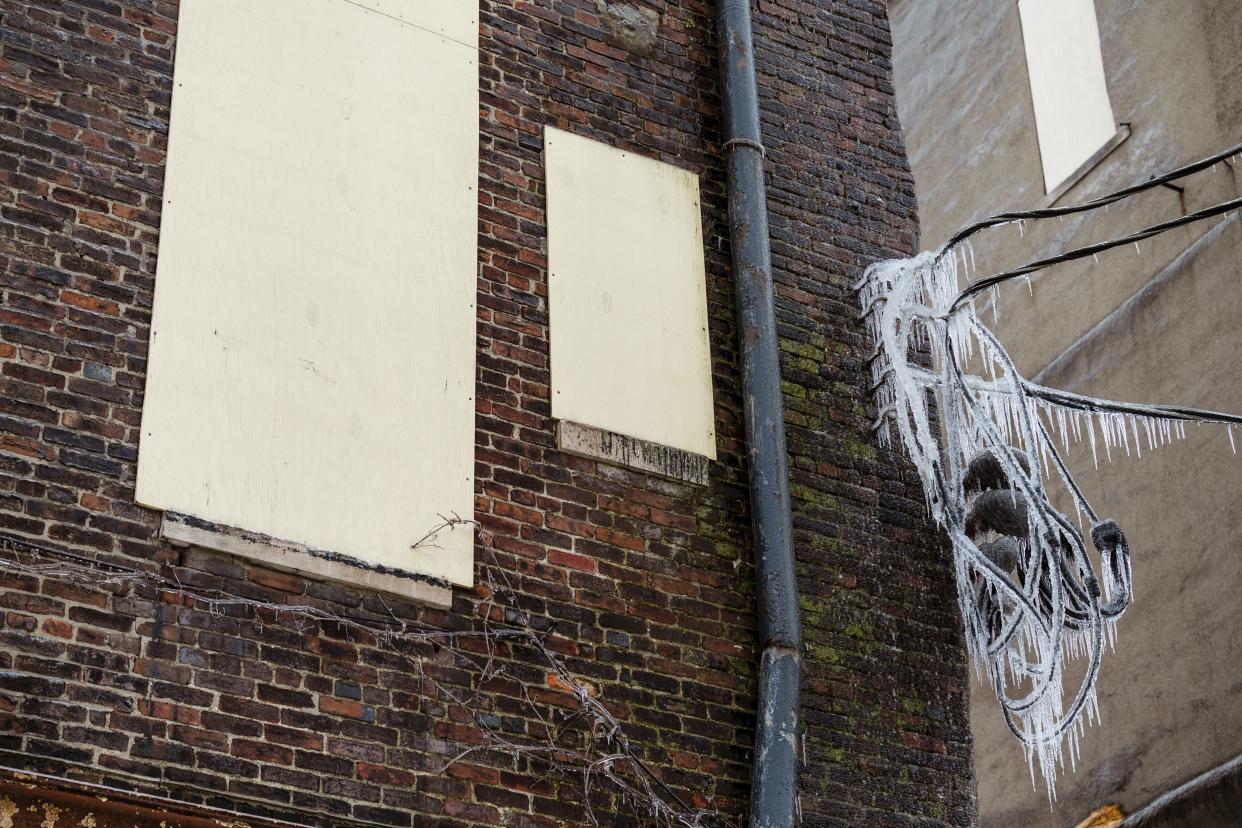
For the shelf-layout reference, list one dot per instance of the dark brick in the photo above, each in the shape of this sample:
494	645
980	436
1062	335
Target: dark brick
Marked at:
284	696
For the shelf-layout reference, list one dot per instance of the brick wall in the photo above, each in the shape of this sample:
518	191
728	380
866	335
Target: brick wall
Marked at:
649	583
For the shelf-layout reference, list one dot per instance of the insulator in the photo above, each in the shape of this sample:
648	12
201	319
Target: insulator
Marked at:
986	471
1107	536
1000	510
1005	552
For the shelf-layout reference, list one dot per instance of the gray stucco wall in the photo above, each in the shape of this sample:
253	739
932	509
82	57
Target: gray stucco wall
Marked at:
1158	324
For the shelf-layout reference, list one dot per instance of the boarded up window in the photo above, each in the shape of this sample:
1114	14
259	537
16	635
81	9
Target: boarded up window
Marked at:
312	349
1073	115
626	295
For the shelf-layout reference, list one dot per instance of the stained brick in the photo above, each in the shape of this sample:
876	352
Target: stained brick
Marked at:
261	752
345	707
199	737
285	697
293	738
382	775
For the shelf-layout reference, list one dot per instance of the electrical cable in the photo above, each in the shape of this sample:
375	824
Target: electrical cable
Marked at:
1045	599
1095	203
1092	249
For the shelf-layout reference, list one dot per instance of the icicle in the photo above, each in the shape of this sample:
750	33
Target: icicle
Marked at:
990	414
1095	459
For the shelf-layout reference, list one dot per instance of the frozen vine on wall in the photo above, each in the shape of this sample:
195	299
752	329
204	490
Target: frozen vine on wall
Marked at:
580	742
1034	596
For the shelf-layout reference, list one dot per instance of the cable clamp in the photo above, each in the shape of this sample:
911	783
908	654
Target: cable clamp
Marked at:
744	142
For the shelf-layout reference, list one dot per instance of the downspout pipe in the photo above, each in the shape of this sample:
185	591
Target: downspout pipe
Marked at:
775	774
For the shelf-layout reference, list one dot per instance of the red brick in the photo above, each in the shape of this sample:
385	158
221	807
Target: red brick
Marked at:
345	707
60	629
382	775
91	303
560	557
474	773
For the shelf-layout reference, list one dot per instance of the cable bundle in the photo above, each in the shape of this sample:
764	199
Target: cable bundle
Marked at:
1034	597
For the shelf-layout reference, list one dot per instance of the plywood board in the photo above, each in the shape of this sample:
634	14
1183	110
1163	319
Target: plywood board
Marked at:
311	372
1073	115
627	297
455	19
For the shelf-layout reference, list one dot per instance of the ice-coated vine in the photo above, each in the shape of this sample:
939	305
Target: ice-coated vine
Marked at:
579	740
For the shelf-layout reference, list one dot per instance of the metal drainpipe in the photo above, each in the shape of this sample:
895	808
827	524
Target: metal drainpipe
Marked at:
775	773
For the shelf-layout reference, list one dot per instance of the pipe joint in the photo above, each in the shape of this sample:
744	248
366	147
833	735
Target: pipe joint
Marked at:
733	143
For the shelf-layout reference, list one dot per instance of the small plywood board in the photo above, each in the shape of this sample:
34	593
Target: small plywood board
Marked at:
627	295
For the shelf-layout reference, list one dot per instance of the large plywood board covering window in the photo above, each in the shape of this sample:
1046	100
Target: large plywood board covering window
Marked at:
1073	115
311	371
626	295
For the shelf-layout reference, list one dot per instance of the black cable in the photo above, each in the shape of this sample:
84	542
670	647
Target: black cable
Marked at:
1065	399
1093	204
1091	249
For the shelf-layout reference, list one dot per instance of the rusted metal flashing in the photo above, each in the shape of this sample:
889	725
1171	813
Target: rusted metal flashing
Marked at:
297	558
641	455
32	800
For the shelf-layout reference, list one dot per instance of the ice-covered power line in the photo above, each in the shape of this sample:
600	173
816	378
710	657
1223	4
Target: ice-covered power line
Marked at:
989	282
1034	597
1224	156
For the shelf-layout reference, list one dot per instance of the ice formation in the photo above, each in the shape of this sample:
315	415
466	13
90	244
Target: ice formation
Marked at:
1034	599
